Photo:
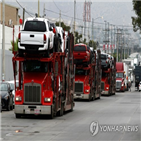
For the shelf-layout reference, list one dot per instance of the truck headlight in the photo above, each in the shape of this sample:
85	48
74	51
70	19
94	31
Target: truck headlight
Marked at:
107	88
122	85
18	98
47	99
86	91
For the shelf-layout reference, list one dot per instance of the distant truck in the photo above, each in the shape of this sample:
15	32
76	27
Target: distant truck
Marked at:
137	73
87	75
108	80
126	72
120	82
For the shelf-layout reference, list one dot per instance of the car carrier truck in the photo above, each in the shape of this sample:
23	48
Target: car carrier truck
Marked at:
46	84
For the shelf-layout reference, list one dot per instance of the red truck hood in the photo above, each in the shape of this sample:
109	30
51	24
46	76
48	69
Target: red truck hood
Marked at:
103	79
36	77
81	78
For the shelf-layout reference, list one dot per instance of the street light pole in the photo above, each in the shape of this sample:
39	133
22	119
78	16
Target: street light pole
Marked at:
3	41
38	8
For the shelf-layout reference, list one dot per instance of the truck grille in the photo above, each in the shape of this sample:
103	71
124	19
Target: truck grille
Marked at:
32	93
118	84
78	87
102	86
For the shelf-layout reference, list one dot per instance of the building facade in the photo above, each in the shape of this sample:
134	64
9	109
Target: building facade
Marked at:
11	15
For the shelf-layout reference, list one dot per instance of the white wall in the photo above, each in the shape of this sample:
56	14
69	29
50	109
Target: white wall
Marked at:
9	36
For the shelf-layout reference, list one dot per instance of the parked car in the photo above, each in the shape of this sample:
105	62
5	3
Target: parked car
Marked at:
105	61
57	38
61	35
140	86
6	96
81	54
36	36
12	85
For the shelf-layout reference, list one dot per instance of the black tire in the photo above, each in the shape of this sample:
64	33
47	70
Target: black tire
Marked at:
52	112
18	115
61	112
0	108
11	107
8	106
72	104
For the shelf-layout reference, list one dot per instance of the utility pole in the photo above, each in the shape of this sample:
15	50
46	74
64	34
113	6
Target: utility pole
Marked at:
44	11
60	18
23	15
114	38
111	41
38	8
108	37
105	36
3	41
74	20
84	19
92	31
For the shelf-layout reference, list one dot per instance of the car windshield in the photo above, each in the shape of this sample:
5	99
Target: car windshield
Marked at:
80	72
3	87
38	26
79	48
119	75
35	66
12	86
103	56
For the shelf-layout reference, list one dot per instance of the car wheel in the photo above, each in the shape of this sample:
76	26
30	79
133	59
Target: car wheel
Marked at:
11	107
8	106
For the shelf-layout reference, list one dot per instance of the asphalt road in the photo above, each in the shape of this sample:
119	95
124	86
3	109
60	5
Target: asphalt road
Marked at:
120	111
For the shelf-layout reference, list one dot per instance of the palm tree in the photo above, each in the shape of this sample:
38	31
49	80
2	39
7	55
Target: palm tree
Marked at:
15	45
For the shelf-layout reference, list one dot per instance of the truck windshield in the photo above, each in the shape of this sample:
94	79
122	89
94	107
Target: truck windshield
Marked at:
80	72
38	26
35	66
79	48
119	75
3	87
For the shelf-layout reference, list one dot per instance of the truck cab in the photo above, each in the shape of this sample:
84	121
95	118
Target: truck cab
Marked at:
82	87
120	83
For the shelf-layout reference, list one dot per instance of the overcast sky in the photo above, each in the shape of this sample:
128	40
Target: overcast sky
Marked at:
116	12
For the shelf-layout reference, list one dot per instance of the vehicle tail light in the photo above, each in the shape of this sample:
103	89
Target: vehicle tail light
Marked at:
45	38
106	61
19	37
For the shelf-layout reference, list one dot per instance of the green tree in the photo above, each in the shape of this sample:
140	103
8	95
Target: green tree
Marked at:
78	38
15	45
93	44
136	21
65	27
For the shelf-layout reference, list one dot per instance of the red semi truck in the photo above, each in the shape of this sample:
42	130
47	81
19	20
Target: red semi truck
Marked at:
46	85
108	81
87	77
120	82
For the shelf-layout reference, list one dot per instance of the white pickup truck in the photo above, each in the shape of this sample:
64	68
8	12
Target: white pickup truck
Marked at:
37	36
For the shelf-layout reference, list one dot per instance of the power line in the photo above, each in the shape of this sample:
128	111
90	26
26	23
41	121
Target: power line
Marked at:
23	8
